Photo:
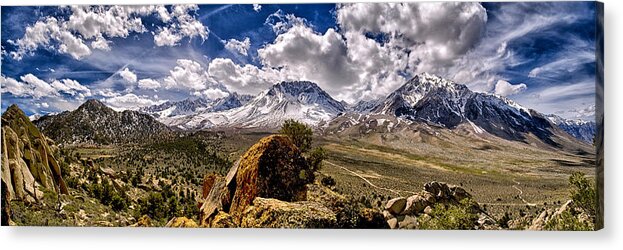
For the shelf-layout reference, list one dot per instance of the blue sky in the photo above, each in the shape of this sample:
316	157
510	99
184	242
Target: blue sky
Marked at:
538	54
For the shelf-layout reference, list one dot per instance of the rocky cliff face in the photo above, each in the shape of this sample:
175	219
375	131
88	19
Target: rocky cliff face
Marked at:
28	162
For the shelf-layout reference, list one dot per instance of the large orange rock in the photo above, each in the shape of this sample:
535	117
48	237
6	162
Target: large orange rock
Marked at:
272	168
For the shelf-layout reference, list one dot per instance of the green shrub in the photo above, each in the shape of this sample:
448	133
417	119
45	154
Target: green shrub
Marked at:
584	194
299	133
316	156
453	217
566	221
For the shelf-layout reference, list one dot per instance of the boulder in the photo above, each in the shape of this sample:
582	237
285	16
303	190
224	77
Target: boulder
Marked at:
272	168
417	203
144	221
409	222
458	193
218	199
396	205
273	213
222	220
393	223
440	190
181	222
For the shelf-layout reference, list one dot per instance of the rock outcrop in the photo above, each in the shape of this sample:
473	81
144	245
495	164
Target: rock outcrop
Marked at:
28	161
181	222
273	213
403	212
271	185
272	168
144	221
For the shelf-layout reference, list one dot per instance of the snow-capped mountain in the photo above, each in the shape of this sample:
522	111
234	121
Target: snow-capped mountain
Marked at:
580	129
439	101
365	107
198	105
300	100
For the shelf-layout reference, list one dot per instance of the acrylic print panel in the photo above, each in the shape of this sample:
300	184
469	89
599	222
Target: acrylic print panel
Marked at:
455	115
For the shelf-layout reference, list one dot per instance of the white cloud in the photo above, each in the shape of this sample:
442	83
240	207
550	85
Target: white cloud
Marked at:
148	84
101	43
212	93
96	24
238	46
247	79
71	87
10	85
130	102
31	85
257	7
187	74
186	26
166	37
505	88
128	75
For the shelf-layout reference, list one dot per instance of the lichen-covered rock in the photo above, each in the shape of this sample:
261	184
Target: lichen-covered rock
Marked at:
222	220
27	159
181	222
272	168
273	213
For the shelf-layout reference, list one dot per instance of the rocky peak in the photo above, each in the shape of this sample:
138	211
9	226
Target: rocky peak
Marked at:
28	160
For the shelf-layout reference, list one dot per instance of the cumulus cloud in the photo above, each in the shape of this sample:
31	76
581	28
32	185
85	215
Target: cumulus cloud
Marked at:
505	88
257	7
148	84
128	75
375	49
30	85
188	74
130	102
238	46
186	26
71	87
246	79
97	24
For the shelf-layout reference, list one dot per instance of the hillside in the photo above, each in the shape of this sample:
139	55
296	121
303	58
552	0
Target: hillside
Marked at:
95	123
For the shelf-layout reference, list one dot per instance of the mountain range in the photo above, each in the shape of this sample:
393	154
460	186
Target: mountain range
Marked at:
425	99
94	122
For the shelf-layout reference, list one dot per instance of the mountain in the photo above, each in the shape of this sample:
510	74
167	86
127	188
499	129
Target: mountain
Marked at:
365	107
94	122
580	129
28	158
442	103
300	100
198	105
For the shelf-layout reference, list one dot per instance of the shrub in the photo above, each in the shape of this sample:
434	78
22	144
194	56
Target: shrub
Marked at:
566	221
584	194
316	156
118	203
299	133
453	217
